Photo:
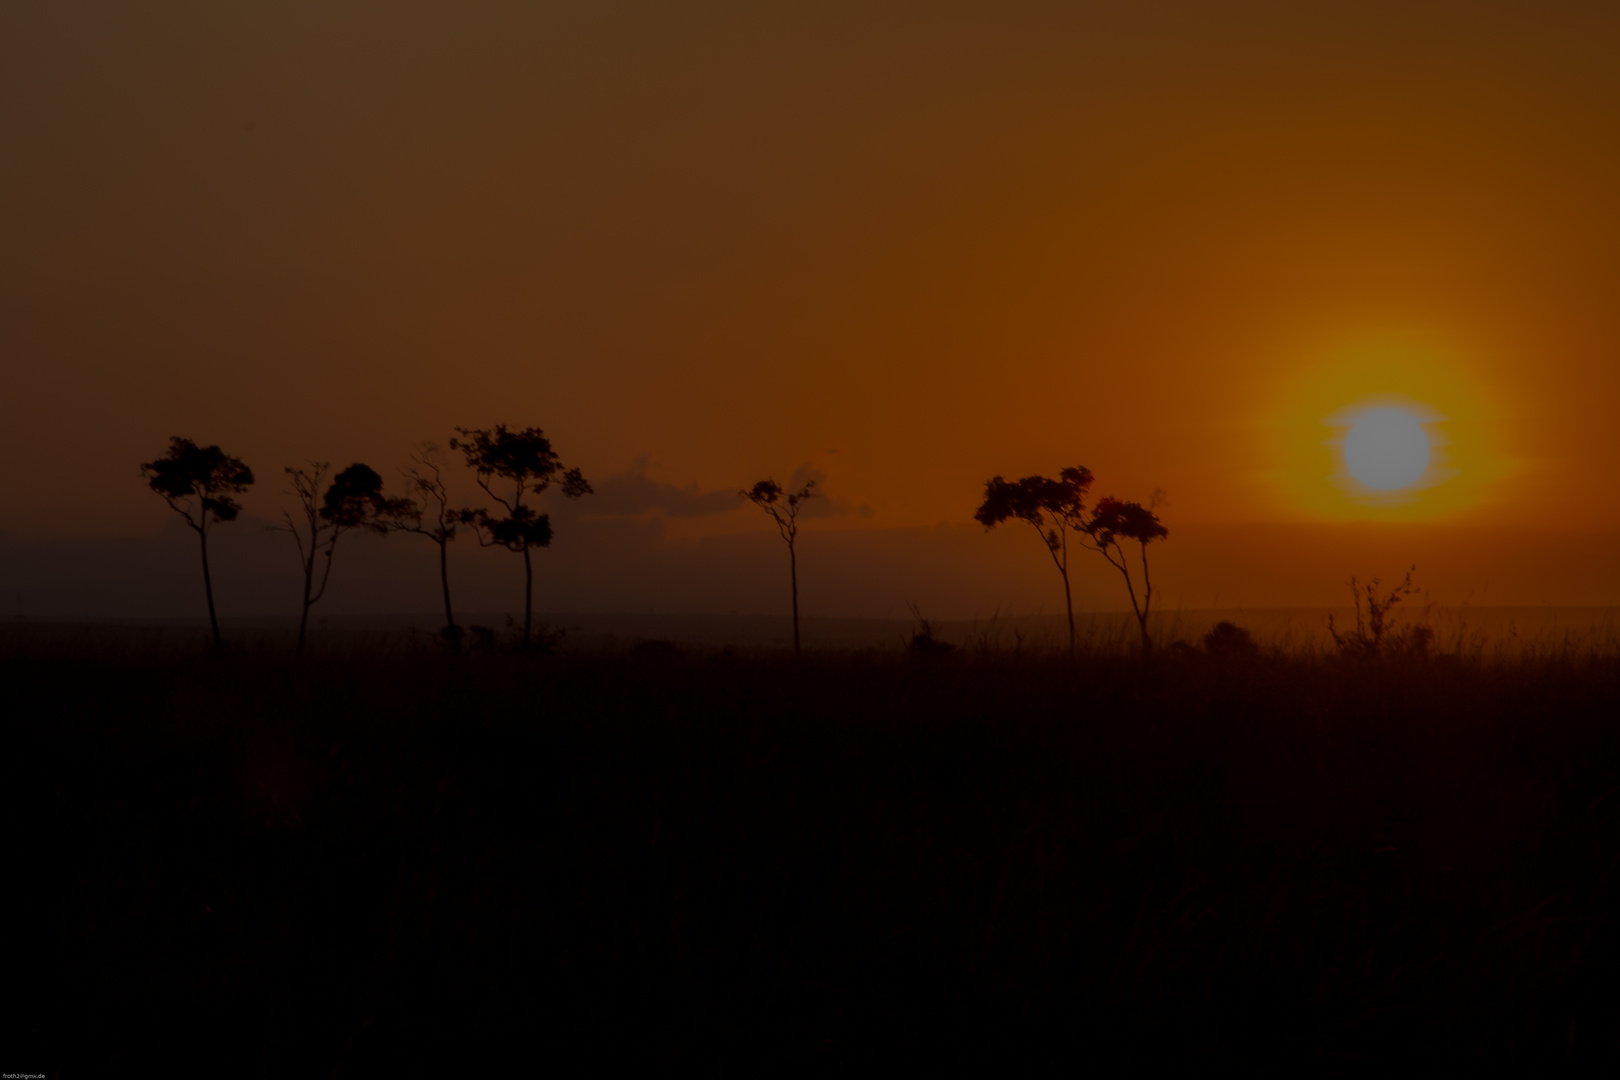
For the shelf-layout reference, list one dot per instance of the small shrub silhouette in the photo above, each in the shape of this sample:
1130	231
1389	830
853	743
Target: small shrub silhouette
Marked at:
1375	634
923	641
1230	641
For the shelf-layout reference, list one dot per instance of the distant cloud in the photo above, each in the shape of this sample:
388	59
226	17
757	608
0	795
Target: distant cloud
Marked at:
633	492
823	505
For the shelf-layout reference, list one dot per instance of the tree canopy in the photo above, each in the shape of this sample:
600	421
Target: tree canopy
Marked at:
355	500
527	463
1046	503
205	474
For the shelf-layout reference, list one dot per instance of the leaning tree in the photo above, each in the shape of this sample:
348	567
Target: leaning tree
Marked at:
1055	509
509	465
1112	521
433	518
783	507
353	500
198	483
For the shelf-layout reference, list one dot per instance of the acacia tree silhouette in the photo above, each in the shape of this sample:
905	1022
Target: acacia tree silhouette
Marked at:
521	462
425	476
353	500
784	507
1113	520
197	482
1054	508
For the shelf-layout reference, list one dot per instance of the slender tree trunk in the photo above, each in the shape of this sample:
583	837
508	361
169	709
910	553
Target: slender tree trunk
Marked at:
793	575
303	620
208	587
1068	603
1147	602
1139	610
528	593
444	582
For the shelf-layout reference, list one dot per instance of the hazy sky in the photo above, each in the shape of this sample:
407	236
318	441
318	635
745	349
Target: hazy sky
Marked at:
908	245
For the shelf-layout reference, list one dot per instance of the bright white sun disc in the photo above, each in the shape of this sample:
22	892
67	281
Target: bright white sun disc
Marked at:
1386	449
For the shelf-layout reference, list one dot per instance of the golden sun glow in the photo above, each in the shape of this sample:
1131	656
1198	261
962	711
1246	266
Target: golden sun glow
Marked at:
1386	432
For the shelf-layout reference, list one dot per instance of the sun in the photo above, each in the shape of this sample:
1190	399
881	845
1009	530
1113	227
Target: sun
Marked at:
1390	431
1387	449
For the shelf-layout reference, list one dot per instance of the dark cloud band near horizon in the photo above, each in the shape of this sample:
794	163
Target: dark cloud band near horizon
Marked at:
634	492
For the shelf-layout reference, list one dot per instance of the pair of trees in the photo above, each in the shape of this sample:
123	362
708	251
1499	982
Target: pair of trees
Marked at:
200	484
1056	508
353	500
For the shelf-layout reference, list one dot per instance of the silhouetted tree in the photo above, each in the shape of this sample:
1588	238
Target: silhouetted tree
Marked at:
783	507
353	500
520	463
1112	521
197	482
425	476
1054	508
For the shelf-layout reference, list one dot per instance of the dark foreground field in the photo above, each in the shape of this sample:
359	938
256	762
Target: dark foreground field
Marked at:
395	860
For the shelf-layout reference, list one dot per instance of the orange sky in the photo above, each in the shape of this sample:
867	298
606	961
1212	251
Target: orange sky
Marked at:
906	245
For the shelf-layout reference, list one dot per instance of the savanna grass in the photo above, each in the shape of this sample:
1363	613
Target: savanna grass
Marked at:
389	857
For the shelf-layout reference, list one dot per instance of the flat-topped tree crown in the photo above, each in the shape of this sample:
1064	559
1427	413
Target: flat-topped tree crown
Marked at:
1048	504
355	500
198	482
1114	519
524	458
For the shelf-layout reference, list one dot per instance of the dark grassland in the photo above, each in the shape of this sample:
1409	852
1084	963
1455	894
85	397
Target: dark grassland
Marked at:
395	859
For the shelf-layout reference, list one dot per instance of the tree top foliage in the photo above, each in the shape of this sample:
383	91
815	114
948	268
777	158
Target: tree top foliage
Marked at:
206	473
1133	521
768	493
1033	498
524	457
1040	500
355	500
